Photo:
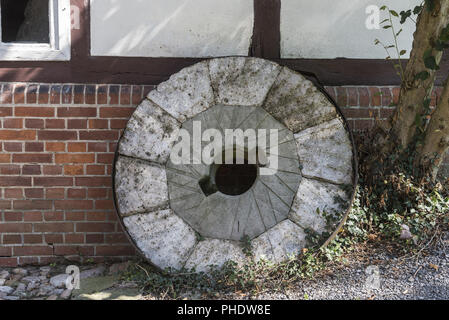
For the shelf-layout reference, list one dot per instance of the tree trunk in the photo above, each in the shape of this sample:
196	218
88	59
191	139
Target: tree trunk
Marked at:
414	92
436	141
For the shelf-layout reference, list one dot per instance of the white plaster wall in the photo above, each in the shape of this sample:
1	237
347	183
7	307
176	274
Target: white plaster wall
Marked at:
171	28
336	28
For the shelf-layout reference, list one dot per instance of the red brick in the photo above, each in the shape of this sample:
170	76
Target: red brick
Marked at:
44	94
76	193
19	93
55	193
79	112
97	147
9	169
78	95
74	238
342	97
125	95
13	216
73	204
33	251
104	204
13	193
75	158
8	262
76	147
107	158
5	204
34	147
91	94
34	123
102	95
32	158
32	204
136	95
95	238
32	239
97	193
54	123
98	124
5	112
118	123
11	239
93	181
39	112
74	170
53	170
99	135
31	170
16	227
364	97
55	94
13	123
95	170
34	193
77	124
6	95
376	98
75	216
54	216
53	181
32	216
13	146
31	94
116	112
54	227
114	94
67	94
54	238
95	227
15	181
17	134
5	158
116	238
53	135
55	146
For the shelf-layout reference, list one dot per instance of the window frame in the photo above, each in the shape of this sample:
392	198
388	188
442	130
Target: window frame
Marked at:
59	47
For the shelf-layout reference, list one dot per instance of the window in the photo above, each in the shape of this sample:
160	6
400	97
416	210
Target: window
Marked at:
34	30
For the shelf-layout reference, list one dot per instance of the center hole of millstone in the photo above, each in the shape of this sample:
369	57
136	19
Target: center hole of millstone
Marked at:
237	176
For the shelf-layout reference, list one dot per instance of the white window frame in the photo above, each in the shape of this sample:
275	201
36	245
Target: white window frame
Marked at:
59	47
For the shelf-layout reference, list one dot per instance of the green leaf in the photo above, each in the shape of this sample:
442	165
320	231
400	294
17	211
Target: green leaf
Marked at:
405	15
399	32
429	60
423	75
402	52
394	13
383	7
387	27
417	10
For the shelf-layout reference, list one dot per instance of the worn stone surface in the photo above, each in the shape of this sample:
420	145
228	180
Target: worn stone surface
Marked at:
150	133
113	294
95	284
140	186
325	152
242	81
280	242
297	103
59	281
252	213
313	199
164	238
94	272
214	252
186	93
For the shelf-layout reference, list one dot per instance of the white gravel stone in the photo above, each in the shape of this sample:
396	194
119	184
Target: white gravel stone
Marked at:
4	274
140	186
66	294
186	93
242	81
150	133
325	152
6	290
95	272
316	196
296	102
214	252
20	271
59	281
284	240
164	238
2	282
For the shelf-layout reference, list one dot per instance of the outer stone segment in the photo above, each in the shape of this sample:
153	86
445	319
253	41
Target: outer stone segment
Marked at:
163	237
214	252
316	196
242	81
296	102
150	134
140	186
325	151
186	93
280	242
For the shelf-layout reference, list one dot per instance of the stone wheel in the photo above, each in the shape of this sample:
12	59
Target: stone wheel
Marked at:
195	215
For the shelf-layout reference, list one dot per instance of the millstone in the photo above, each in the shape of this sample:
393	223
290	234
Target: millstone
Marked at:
196	214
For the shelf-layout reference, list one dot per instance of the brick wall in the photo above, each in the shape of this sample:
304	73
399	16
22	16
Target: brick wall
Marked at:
57	143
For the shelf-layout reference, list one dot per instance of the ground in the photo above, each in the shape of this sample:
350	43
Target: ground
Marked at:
420	276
